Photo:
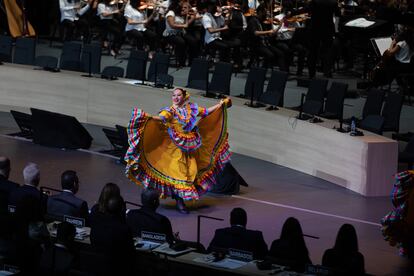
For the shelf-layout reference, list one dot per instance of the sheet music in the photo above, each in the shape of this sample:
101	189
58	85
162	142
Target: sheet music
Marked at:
382	43
143	245
225	263
165	249
360	23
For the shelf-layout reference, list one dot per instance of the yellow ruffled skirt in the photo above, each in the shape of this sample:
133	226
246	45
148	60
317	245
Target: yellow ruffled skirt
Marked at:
154	161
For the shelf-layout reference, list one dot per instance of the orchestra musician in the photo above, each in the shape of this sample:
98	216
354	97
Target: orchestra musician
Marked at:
193	31
259	42
400	54
236	35
214	26
175	31
237	20
136	27
70	18
286	40
109	24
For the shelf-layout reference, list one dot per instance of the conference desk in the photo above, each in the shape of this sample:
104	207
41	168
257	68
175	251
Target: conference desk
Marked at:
362	164
194	262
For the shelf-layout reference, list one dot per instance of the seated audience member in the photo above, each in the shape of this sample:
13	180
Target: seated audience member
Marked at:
66	203
59	258
6	186
30	233
7	244
147	219
344	258
111	236
108	191
31	175
291	249
238	237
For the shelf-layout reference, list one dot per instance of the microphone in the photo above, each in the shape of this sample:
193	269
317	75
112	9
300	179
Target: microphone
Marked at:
208	95
302	99
48	189
89	75
251	102
199	224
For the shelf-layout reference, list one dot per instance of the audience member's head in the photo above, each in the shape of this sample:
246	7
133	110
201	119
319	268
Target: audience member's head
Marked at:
31	174
116	206
150	198
238	216
70	181
66	233
4	166
108	191
346	240
292	232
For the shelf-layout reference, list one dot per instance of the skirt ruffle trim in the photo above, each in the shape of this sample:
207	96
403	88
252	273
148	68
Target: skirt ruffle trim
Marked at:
143	174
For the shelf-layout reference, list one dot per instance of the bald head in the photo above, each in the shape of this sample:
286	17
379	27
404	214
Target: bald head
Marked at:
4	166
31	174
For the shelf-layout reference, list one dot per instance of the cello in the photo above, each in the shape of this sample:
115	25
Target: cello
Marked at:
379	74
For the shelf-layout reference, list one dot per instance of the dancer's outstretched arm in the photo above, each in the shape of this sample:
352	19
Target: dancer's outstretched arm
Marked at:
214	107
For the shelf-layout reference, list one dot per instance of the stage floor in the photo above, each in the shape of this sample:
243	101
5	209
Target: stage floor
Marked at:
274	194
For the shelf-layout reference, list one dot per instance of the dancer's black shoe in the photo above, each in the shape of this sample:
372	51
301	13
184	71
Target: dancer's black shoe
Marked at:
181	206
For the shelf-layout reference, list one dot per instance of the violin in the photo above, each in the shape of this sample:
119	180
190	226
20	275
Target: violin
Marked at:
250	12
298	18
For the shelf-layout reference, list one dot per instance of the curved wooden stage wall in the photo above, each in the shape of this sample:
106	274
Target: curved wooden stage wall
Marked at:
362	164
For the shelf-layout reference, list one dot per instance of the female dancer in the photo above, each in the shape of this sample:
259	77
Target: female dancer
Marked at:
176	154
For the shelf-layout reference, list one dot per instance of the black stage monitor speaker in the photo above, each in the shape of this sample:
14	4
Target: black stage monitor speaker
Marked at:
24	121
58	130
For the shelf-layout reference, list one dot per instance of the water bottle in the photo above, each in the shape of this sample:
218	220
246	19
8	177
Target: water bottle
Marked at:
353	126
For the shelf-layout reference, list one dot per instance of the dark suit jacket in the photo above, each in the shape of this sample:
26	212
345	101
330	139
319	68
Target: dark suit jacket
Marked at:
145	219
322	16
66	203
6	187
112	237
240	238
24	191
